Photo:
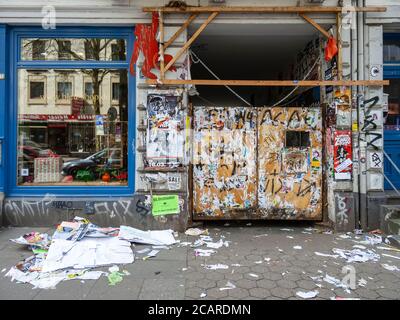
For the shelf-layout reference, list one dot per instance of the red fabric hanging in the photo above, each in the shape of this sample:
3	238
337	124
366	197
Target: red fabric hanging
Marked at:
146	43
331	49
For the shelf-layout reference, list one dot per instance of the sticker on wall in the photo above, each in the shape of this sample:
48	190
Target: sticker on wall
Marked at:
174	181
99	125
375	159
295	161
343	115
163	205
342	155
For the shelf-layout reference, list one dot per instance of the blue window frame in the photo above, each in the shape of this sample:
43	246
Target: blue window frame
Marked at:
16	36
391	71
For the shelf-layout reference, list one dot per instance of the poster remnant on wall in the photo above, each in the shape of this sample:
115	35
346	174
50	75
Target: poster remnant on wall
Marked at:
224	166
165	137
342	155
289	156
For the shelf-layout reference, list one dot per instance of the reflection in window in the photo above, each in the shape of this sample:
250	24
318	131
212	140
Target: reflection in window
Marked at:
68	143
391	51
115	91
74	49
392	120
89	53
37	90
64	50
38	50
64	90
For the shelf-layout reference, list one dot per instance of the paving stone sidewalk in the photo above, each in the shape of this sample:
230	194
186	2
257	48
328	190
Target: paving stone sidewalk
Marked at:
262	264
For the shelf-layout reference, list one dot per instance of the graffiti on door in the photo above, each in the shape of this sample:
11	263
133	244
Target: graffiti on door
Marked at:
224	160
273	174
290	170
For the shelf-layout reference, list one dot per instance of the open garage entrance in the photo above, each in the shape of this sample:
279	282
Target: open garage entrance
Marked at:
257	151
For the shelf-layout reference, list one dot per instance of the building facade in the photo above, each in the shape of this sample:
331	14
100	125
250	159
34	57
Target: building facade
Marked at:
81	133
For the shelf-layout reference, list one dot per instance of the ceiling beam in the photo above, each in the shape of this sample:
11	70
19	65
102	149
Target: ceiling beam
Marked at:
310	9
271	83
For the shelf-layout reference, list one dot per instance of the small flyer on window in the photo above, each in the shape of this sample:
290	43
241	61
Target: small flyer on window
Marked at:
99	125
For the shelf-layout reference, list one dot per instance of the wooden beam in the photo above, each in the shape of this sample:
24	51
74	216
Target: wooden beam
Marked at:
161	46
315	25
272	83
190	41
180	30
287	9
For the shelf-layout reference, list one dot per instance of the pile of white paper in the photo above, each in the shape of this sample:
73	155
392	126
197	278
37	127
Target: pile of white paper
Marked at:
87	253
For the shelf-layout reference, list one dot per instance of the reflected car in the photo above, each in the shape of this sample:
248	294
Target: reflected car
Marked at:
108	157
29	153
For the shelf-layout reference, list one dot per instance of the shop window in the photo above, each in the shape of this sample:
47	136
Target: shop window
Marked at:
392	121
74	49
38	50
297	139
66	144
391	50
64	50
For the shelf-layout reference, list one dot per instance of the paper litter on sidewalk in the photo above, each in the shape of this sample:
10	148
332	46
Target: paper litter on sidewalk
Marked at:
151	254
229	285
326	254
390	256
357	255
307	295
34	240
87	253
196	232
215	266
204	252
153	237
390	268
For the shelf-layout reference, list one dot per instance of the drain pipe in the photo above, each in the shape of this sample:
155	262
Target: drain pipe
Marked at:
360	101
354	76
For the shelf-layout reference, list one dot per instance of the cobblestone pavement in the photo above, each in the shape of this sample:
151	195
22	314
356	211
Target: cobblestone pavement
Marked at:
262	261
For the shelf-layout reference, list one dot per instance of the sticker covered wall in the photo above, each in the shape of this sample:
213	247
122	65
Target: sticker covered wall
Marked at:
261	163
224	166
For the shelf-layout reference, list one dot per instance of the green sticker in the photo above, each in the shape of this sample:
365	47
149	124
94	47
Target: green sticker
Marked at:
162	205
